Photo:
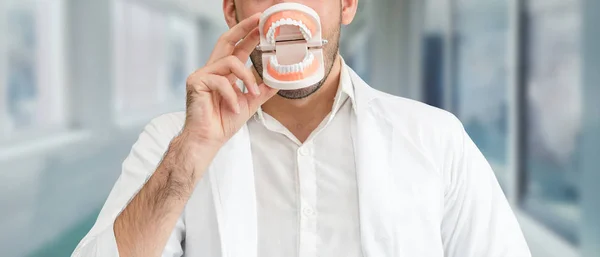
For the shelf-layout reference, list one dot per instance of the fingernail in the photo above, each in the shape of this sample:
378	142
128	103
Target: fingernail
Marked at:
237	108
256	90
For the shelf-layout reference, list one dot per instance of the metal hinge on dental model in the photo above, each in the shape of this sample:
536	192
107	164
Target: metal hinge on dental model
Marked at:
323	43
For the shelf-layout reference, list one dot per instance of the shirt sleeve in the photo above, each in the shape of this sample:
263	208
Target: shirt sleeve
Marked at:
478	220
137	168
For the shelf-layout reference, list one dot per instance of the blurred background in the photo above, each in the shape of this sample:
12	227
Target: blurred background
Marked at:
79	80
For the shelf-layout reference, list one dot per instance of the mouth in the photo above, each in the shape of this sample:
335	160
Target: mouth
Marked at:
289	32
291	44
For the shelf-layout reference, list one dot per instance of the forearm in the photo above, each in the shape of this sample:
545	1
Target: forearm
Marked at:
144	226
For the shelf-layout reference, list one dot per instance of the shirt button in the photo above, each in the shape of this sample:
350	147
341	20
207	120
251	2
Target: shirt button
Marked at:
304	151
308	211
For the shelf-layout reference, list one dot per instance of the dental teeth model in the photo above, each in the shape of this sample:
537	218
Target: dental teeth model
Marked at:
291	42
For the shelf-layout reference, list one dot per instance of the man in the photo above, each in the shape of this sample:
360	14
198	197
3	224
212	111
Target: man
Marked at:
337	169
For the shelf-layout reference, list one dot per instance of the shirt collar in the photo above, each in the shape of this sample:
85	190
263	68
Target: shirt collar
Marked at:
345	91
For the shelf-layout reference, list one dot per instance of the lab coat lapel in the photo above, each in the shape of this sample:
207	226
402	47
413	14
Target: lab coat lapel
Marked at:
232	182
372	137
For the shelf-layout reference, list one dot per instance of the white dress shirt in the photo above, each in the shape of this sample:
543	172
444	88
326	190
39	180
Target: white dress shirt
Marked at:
421	188
307	198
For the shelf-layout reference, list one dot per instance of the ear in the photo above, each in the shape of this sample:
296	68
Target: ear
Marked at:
349	8
230	12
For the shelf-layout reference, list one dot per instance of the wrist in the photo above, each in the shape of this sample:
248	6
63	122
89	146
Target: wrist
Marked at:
196	143
189	157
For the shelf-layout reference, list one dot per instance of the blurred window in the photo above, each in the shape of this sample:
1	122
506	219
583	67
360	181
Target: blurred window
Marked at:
155	52
554	113
33	88
481	76
433	51
355	39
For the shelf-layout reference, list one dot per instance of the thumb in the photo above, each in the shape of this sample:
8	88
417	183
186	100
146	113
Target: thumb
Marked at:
266	93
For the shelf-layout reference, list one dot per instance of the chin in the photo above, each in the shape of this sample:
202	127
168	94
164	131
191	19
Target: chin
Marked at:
300	93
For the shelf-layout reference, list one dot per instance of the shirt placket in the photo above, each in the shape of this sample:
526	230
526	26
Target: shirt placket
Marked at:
308	201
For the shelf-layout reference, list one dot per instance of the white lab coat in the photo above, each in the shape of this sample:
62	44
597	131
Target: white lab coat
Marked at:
424	189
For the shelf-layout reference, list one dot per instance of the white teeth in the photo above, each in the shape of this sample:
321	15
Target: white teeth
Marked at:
306	33
292	68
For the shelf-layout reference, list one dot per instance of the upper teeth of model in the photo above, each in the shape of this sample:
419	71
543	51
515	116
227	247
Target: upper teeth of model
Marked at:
288	21
292	68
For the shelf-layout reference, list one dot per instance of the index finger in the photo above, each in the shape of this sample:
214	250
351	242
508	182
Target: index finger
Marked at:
227	42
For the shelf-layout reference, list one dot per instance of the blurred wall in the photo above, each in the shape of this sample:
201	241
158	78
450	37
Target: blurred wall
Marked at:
79	80
590	161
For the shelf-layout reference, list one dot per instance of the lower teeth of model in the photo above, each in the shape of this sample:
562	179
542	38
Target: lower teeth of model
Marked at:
298	67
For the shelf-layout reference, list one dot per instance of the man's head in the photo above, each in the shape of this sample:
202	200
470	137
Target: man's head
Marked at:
333	14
